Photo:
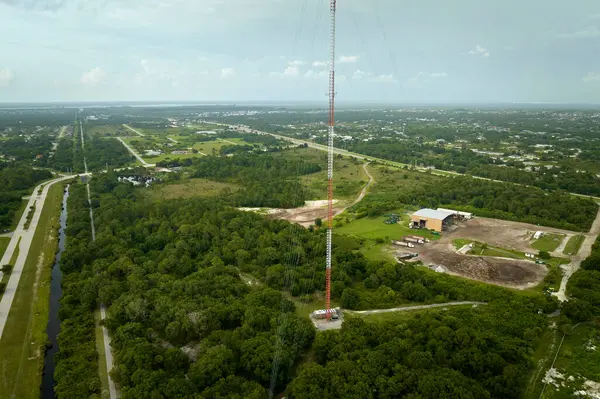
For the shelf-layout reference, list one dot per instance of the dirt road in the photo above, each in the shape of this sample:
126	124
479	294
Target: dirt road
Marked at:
26	237
366	157
417	307
108	354
584	252
306	215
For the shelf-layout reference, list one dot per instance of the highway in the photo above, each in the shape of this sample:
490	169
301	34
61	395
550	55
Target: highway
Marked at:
26	237
339	151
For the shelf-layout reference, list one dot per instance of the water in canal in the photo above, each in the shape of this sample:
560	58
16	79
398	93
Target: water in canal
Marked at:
53	328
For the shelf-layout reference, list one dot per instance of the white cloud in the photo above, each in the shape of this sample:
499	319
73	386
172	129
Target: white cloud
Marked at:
589	32
479	51
438	74
591	77
383	78
6	77
358	74
93	77
348	59
318	64
595	16
292	71
310	74
296	63
227	73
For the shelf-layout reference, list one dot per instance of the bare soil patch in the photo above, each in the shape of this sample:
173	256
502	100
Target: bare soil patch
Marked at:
507	272
502	233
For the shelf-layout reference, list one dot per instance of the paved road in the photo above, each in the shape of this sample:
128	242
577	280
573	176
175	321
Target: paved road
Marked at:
135	154
417	307
26	236
584	252
134	130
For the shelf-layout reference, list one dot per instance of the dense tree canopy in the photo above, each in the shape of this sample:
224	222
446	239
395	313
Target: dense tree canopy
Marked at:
15	182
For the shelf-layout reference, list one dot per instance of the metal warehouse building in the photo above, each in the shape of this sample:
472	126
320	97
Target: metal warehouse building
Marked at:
432	219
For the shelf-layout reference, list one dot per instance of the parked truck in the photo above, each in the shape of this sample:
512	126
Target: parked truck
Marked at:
403	244
415	240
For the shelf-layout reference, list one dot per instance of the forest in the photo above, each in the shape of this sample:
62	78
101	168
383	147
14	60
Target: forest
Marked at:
27	148
267	181
16	181
185	324
396	189
468	162
584	288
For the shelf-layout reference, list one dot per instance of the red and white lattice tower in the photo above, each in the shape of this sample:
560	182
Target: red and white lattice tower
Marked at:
332	6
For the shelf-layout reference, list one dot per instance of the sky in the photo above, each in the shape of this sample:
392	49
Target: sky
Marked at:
388	51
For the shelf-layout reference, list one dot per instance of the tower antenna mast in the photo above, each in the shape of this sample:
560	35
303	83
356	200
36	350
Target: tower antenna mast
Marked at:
331	129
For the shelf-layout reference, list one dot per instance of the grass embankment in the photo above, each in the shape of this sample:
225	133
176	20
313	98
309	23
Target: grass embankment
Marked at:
103	373
13	259
17	216
548	242
29	216
24	338
573	245
4	241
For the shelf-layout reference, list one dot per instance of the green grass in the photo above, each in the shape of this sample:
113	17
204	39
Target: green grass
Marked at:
189	188
163	157
573	245
349	180
13	259
396	317
207	147
24	337
17	216
103	373
374	228
573	359
548	242
4	241
108	131
542	359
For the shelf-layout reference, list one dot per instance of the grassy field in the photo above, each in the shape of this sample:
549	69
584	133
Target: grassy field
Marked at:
349	180
189	188
104	393
402	315
108	131
3	245
207	147
163	157
374	228
548	242
573	245
578	360
24	338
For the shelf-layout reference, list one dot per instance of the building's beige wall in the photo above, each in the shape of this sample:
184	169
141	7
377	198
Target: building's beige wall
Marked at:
433	224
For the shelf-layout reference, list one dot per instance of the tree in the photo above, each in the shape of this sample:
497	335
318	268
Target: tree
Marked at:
350	299
544	255
6	268
318	222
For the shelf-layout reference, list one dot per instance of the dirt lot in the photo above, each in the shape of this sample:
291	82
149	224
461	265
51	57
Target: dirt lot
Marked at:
306	215
501	271
503	233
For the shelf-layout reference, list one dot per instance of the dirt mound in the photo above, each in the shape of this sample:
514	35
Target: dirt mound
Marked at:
477	268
